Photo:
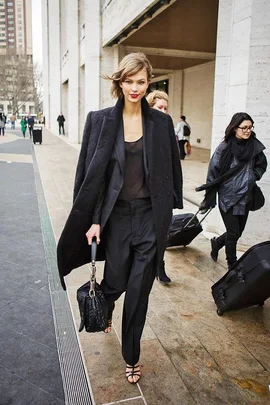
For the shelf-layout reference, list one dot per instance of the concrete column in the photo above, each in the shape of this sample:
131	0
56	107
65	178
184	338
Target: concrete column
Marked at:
92	55
175	95
242	84
73	68
45	64
109	63
54	77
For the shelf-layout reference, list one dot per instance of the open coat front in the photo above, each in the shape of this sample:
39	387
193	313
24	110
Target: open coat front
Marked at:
100	170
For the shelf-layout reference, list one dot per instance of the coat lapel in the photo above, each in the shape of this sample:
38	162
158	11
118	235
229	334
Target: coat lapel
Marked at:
120	146
148	126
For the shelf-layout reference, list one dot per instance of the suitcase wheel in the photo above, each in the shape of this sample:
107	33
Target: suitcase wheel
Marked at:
219	312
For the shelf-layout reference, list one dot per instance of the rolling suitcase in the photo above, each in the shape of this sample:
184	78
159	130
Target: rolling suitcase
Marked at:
184	228
37	135
248	283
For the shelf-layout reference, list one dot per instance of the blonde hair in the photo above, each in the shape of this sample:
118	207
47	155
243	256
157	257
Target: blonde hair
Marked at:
129	65
156	95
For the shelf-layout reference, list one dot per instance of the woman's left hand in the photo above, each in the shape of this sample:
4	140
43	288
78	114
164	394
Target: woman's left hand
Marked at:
94	231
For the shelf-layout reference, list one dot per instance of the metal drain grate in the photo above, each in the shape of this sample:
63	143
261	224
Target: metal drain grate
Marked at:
76	385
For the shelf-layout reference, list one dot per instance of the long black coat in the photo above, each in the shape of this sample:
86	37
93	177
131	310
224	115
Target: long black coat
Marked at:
101	162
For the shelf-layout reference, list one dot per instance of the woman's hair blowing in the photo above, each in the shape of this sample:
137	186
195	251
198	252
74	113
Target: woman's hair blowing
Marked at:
129	65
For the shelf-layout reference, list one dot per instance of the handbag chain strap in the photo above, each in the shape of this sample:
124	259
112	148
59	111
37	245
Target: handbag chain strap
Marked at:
92	291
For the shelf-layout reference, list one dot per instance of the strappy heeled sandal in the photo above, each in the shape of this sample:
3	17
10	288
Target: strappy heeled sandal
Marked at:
135	371
109	325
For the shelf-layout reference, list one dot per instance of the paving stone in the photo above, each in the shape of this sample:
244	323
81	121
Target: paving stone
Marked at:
21	392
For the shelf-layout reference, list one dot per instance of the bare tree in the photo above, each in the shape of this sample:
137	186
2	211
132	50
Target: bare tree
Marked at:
38	82
16	80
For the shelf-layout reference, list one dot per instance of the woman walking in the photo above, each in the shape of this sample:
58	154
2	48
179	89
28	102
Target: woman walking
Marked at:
23	126
236	165
128	181
158	100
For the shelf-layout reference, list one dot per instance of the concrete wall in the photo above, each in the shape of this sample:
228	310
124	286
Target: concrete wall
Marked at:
242	84
198	94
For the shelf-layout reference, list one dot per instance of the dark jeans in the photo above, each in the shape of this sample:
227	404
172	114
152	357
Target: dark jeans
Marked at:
2	130
63	129
182	148
235	225
130	255
30	127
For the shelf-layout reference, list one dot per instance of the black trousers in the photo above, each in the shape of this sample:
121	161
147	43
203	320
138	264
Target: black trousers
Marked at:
63	128
30	127
182	151
130	258
235	225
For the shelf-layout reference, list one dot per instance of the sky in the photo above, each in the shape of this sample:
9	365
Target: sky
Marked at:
37	31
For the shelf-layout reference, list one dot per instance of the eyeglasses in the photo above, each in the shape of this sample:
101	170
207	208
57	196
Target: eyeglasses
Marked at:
246	129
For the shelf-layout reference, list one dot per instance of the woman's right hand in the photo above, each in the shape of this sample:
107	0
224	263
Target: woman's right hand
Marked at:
93	231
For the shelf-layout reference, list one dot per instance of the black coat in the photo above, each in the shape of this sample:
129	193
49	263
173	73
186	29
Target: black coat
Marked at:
99	179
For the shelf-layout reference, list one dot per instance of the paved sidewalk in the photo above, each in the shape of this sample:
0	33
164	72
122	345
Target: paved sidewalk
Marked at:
29	365
189	354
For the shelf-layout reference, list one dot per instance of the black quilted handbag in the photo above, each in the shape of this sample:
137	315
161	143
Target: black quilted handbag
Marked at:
92	303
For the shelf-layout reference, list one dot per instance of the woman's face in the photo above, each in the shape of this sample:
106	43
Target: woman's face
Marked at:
244	130
134	87
161	105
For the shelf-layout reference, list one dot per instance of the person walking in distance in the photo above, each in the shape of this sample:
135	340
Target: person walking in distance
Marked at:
182	131
23	126
12	121
61	120
237	163
30	122
2	124
128	180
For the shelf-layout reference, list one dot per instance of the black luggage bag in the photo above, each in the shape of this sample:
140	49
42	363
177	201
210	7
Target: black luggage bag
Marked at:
183	229
37	135
248	283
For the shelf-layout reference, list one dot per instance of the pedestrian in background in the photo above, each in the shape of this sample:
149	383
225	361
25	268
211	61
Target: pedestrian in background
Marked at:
30	122
61	120
128	180
182	131
159	101
2	123
237	163
23	126
12	121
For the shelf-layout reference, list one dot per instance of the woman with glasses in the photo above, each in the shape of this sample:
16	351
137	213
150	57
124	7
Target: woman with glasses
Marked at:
237	163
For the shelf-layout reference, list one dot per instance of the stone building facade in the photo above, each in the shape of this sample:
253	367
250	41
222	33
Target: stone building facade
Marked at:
214	55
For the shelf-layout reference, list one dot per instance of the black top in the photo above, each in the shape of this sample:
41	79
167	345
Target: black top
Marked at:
134	179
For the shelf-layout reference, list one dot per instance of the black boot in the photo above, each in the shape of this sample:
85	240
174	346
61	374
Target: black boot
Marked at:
162	276
215	248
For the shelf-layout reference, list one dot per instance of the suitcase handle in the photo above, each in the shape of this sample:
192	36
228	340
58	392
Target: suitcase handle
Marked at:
234	273
195	215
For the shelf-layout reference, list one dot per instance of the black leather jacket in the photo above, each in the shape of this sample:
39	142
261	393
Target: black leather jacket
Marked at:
236	191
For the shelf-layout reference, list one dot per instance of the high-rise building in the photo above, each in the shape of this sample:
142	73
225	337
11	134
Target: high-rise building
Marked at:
16	56
15	27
